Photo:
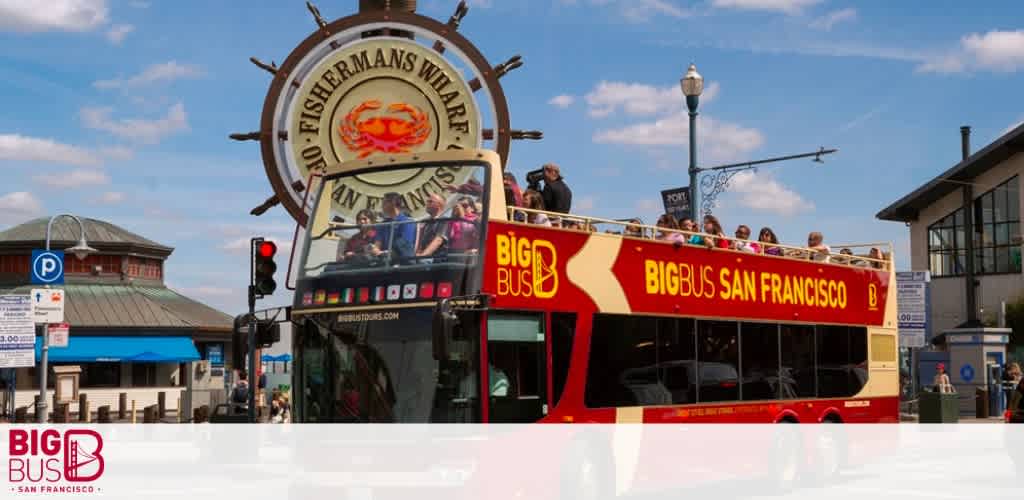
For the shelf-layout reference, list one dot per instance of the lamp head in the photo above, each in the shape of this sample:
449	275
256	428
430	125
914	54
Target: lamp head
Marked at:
81	250
692	83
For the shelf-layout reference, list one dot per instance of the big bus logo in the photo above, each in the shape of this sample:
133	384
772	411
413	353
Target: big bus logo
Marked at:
872	297
46	457
526	268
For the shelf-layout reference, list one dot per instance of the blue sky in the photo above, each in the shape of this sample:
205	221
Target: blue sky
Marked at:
120	110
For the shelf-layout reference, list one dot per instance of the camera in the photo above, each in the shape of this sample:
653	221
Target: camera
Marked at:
534	177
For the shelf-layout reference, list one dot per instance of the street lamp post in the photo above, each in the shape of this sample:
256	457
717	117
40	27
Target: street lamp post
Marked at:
693	85
81	250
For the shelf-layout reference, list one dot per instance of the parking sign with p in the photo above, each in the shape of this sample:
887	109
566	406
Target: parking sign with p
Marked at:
47	267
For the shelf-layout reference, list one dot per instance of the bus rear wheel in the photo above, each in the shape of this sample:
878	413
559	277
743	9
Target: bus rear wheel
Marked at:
784	471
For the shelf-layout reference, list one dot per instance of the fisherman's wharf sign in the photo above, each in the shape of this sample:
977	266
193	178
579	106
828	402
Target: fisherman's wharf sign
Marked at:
381	96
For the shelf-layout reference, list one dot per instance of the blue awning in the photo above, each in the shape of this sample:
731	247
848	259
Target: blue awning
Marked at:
276	359
123	349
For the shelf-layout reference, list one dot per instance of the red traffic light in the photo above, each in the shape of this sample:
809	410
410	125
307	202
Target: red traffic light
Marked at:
266	249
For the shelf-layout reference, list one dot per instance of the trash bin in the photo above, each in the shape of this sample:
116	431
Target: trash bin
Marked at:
981	402
939	408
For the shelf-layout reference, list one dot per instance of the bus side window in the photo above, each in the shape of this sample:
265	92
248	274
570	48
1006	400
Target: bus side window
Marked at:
563	332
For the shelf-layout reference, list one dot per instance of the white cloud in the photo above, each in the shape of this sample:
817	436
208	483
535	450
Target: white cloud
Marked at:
647	205
762	193
153	74
18	207
833	18
1009	129
110	198
27	16
639	11
117	33
14	147
137	129
996	51
717	140
791	7
562	101
584	204
73	179
640	99
117	153
645	10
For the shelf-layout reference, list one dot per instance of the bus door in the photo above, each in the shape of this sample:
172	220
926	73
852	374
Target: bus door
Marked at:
517	367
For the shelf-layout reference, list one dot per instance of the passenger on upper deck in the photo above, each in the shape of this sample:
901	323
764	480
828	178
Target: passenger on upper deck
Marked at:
513	195
816	242
533	200
463	234
688	225
875	253
633	229
768	236
434	233
360	242
668	221
399	224
742	244
715	236
557	195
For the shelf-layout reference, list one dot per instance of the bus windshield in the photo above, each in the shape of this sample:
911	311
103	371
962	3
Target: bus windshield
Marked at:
379	367
411	217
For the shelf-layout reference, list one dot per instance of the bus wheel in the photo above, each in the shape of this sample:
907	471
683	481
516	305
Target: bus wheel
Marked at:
828	451
785	458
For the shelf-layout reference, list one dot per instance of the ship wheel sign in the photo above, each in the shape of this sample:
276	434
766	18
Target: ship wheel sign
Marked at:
383	81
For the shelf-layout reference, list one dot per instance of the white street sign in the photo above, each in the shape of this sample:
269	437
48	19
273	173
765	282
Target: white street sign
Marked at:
47	305
912	305
59	335
17	332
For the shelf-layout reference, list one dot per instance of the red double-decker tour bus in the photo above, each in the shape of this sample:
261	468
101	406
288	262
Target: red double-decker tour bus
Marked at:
436	302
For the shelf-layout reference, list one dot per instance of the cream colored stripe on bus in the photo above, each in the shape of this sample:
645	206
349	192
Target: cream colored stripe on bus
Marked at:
591	270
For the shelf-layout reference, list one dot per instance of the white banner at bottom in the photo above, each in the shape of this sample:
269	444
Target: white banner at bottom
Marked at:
501	462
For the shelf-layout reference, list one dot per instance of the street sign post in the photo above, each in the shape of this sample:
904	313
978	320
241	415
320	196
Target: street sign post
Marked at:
912	308
47	305
47	267
17	332
59	335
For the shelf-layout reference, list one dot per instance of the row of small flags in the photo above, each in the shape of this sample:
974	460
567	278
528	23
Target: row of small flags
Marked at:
365	295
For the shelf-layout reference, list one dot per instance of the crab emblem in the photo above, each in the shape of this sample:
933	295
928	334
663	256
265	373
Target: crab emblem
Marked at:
384	134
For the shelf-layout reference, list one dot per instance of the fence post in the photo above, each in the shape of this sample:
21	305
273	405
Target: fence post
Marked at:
161	404
103	414
83	407
122	405
181	415
35	406
133	411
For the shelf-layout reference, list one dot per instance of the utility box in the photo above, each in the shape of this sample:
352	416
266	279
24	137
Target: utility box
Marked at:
939	408
66	380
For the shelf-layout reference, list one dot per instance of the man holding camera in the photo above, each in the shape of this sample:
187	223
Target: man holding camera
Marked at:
556	194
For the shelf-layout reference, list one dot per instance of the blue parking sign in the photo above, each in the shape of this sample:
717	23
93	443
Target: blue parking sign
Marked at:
47	267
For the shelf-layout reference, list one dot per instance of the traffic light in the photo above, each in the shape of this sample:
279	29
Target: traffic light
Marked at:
268	333
263	266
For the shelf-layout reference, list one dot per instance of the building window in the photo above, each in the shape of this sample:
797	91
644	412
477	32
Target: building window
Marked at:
997	236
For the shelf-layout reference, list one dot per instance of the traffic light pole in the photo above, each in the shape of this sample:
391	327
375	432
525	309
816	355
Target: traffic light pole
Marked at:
253	378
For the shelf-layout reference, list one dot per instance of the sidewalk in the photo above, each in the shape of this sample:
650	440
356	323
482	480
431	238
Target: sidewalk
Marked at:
906	418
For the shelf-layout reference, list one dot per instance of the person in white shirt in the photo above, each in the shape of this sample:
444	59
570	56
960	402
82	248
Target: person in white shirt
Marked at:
496	378
816	243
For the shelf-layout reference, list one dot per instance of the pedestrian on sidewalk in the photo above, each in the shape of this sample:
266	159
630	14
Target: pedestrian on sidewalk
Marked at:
941	380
